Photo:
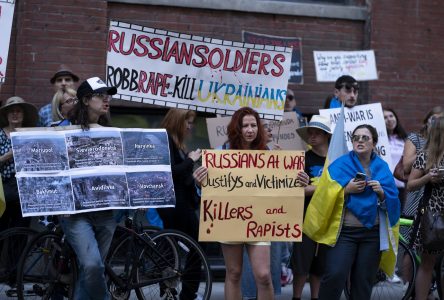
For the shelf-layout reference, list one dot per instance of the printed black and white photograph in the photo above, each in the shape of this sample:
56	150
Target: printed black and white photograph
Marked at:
145	147
151	189
94	148
40	152
100	191
45	195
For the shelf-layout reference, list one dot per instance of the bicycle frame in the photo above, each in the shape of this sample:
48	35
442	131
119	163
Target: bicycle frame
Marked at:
131	263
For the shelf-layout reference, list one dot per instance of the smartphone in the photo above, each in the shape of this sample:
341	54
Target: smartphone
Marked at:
360	176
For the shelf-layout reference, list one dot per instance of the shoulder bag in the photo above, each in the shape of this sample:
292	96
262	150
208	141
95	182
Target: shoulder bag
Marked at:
432	226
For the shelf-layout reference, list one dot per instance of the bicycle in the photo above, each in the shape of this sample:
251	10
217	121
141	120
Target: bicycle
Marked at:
166	264
12	242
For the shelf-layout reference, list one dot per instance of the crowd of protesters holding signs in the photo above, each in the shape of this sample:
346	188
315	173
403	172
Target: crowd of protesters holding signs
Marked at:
325	212
351	209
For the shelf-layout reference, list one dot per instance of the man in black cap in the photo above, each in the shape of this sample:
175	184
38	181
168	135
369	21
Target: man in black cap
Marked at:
61	80
346	91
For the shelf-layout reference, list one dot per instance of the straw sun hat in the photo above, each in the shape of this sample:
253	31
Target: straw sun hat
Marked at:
30	114
317	121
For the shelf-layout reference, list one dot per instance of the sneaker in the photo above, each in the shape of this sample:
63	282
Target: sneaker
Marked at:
394	279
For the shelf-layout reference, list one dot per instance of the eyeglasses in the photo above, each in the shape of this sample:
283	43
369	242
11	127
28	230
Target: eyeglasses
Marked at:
290	97
70	101
349	87
357	138
102	96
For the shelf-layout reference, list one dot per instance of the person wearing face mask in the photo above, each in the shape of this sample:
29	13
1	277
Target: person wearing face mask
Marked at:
346	91
396	136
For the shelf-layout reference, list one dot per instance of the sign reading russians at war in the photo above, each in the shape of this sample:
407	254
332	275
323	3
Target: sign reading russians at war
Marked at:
252	196
192	72
75	171
6	17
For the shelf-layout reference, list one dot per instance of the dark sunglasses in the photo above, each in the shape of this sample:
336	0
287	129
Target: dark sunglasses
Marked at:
290	97
357	138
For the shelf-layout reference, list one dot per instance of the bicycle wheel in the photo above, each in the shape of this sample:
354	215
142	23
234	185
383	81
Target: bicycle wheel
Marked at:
12	243
47	268
399	286
117	259
179	264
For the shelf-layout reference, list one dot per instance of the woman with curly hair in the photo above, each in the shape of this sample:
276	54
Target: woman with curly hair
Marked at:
245	132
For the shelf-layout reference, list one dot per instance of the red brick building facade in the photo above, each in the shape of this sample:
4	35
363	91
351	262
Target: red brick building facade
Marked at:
406	37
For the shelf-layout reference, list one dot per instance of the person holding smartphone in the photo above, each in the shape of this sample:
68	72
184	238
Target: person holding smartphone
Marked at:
428	168
363	185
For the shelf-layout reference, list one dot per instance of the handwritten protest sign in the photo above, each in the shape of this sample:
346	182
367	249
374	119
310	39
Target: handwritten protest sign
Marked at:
362	114
252	196
181	70
74	171
296	73
284	132
332	64
6	18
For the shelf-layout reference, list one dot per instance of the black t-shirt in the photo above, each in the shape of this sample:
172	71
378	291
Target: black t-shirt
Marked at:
314	164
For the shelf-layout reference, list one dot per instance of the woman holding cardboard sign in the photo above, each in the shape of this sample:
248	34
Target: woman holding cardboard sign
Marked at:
245	132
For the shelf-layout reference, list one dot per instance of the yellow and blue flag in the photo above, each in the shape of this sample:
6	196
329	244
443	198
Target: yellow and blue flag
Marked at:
323	217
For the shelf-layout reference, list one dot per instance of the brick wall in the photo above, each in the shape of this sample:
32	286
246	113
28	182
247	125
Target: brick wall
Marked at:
405	35
48	33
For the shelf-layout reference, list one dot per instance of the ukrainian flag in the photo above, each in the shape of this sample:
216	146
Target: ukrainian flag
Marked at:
323	219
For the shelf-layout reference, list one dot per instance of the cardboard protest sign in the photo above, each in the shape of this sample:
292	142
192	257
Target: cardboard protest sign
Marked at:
284	132
252	196
75	171
362	114
6	18
185	71
296	72
332	64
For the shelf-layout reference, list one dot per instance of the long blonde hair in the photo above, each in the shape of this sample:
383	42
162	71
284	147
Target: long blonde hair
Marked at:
56	103
434	146
175	124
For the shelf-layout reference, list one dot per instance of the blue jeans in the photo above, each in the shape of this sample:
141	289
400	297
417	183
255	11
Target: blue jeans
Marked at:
249	289
90	235
357	254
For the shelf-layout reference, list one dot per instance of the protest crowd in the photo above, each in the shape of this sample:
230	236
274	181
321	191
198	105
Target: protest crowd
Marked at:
354	171
360	189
